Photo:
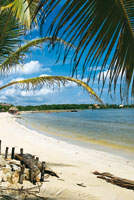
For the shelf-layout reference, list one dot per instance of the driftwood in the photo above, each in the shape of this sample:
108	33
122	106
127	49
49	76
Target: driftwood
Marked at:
26	159
125	183
51	173
34	164
21	174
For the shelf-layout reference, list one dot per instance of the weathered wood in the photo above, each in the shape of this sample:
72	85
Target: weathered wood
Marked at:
29	162
21	151
42	171
0	147
51	173
33	157
125	183
37	159
31	175
6	152
21	174
13	153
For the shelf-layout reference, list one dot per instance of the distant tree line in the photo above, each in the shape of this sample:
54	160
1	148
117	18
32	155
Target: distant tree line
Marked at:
5	107
71	106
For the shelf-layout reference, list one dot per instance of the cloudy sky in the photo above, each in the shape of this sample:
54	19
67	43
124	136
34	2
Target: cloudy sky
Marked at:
42	62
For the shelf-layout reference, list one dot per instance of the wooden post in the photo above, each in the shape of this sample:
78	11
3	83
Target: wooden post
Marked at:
21	174
6	152
21	151
34	180
31	175
13	153
33	157
42	171
37	159
0	147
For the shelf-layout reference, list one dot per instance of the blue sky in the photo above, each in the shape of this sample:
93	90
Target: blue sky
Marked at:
41	61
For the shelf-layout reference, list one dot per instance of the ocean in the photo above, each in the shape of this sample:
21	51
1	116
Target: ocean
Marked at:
111	128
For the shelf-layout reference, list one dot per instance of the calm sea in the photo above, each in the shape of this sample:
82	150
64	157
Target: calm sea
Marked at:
113	128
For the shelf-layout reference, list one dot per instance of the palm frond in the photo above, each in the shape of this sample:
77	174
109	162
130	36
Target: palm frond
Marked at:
16	56
23	10
104	32
39	82
10	33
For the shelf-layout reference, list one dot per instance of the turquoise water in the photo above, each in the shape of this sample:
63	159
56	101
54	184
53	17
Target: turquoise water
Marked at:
113	128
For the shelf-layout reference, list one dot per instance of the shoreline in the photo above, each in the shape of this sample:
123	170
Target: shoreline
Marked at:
72	163
83	141
52	111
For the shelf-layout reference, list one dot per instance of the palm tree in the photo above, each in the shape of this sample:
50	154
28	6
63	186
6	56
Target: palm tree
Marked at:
103	32
11	30
24	10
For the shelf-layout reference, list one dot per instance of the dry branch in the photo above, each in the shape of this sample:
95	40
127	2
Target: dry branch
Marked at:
24	193
125	183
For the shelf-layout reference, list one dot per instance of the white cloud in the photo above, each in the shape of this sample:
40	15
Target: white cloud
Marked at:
3	98
13	92
37	93
17	79
104	74
44	75
30	68
71	84
9	92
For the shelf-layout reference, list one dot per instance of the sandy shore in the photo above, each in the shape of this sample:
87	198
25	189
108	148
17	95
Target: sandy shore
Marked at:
72	163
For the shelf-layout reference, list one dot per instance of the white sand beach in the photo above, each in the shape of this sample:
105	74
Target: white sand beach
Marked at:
72	163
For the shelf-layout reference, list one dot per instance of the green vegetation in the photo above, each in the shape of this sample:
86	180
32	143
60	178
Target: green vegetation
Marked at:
5	107
53	107
73	107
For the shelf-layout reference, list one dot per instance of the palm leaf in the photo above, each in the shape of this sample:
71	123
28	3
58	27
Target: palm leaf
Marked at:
23	10
16	56
104	32
10	33
39	82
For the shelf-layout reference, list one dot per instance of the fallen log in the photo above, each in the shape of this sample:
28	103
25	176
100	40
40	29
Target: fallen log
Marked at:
125	183
35	164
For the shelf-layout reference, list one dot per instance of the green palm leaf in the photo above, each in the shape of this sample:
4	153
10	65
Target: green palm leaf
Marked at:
104	32
39	82
23	10
10	33
16	56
